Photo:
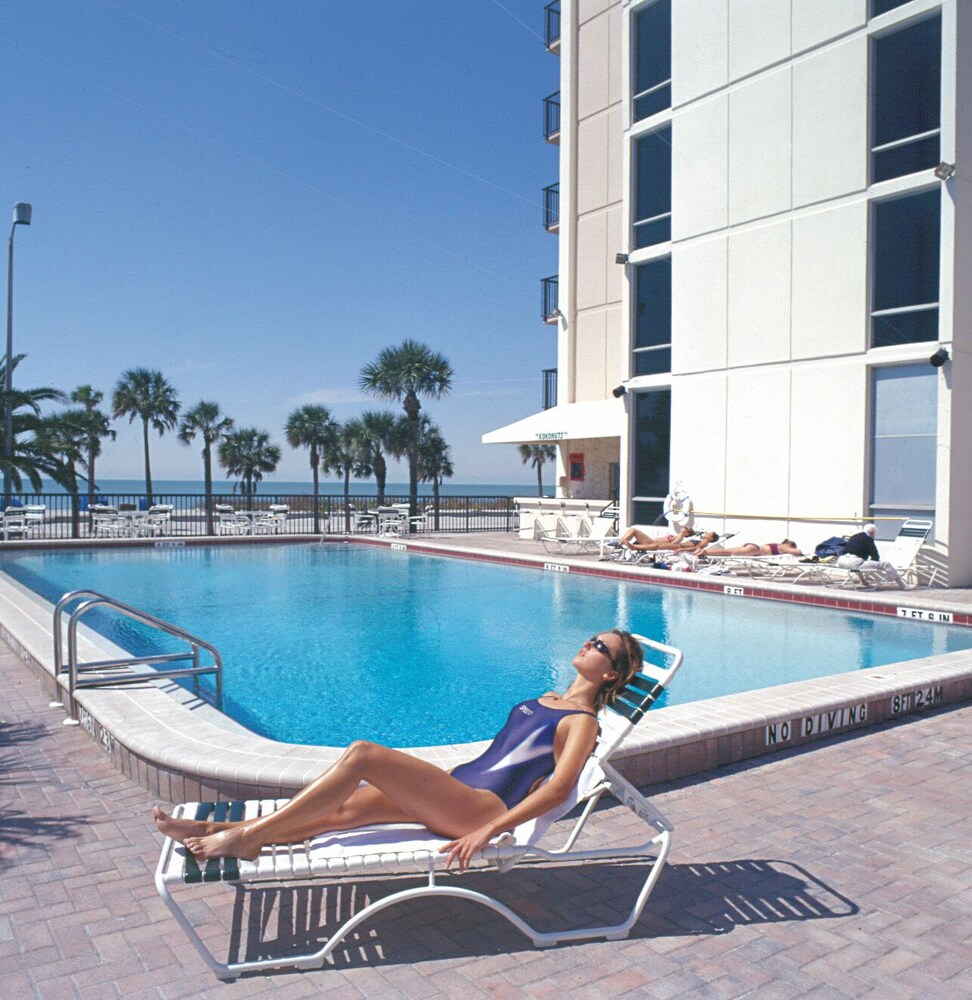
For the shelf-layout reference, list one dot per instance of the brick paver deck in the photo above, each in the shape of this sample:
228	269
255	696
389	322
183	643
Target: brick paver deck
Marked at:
845	871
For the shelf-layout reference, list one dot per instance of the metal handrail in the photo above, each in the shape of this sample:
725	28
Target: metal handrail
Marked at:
99	600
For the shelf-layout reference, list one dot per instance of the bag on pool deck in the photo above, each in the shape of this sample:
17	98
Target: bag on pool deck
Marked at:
833	546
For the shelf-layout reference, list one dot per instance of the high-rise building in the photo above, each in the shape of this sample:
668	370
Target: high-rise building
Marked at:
765	210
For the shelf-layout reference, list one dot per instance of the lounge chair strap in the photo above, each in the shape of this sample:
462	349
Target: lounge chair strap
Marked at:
217	869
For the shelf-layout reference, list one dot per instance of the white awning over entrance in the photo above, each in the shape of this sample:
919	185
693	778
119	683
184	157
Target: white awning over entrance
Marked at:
601	418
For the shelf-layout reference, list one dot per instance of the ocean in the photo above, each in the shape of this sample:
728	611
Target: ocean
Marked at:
361	487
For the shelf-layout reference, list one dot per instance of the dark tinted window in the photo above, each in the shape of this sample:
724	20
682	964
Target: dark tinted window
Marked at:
883	6
653	317
907	98
653	420
653	156
653	59
905	247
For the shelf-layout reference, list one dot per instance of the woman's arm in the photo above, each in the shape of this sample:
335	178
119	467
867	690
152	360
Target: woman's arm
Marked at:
581	737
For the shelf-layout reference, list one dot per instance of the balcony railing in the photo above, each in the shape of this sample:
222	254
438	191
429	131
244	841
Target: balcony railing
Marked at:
549	387
552	26
551	117
551	208
548	299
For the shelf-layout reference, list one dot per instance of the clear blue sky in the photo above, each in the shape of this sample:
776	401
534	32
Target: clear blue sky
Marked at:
257	196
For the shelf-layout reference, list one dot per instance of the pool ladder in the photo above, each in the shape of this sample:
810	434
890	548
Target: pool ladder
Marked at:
101	673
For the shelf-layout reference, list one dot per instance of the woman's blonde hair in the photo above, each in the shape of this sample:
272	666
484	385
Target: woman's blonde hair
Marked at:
628	661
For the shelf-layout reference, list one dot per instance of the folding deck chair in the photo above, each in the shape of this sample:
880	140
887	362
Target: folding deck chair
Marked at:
400	849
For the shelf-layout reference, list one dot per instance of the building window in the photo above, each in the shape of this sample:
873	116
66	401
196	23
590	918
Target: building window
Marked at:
653	318
653	199
905	238
652	441
904	420
907	100
652	30
883	6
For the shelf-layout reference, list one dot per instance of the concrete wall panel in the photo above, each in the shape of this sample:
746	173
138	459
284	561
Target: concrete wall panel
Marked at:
614	148
592	164
830	282
699	437
759	147
586	9
816	21
830	123
757	441
594	53
759	295
614	238
592	249
827	447
700	48
699	284
759	35
591	333
700	168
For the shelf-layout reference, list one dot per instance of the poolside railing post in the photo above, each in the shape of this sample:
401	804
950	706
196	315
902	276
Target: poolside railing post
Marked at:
195	666
75	515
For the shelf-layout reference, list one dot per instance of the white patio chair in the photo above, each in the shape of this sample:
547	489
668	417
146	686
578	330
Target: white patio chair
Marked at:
228	522
400	849
279	512
158	520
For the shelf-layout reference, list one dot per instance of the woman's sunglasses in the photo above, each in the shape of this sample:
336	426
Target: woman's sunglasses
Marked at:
602	647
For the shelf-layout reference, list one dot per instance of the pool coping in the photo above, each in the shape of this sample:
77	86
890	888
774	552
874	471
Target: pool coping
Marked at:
174	751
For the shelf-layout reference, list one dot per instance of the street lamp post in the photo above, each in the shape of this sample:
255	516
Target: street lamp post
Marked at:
21	217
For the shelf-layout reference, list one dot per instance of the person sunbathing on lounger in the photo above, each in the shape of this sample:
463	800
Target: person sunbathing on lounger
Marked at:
547	737
784	548
636	540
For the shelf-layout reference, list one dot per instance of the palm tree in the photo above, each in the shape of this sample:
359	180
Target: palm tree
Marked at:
248	453
206	420
537	455
31	458
147	394
313	427
94	424
435	462
378	437
61	438
404	373
348	456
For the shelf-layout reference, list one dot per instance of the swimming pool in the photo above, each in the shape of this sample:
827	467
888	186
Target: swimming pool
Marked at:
324	644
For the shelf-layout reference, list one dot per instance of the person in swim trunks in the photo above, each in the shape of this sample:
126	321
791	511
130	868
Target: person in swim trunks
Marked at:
547	737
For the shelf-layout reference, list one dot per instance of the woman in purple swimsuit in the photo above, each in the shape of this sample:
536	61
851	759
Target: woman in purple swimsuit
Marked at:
548	736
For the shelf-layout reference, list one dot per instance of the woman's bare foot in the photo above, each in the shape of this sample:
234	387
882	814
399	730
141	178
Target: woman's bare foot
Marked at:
179	829
231	843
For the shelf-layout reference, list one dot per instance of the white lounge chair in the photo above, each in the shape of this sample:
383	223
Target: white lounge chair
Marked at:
409	848
901	553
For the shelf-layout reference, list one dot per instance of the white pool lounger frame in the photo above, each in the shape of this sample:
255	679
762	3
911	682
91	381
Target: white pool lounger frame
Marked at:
401	849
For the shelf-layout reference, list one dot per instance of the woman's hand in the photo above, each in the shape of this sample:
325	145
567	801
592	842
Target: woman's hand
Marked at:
467	847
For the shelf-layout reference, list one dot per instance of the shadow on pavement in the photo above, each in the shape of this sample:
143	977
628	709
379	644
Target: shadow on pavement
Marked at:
690	899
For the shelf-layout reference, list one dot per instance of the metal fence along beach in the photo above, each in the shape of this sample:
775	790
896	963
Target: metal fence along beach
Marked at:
118	515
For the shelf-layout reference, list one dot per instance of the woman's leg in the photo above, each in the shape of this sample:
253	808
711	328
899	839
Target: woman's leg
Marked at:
366	806
403	789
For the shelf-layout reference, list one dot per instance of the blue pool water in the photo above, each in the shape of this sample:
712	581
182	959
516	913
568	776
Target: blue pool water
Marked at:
325	644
